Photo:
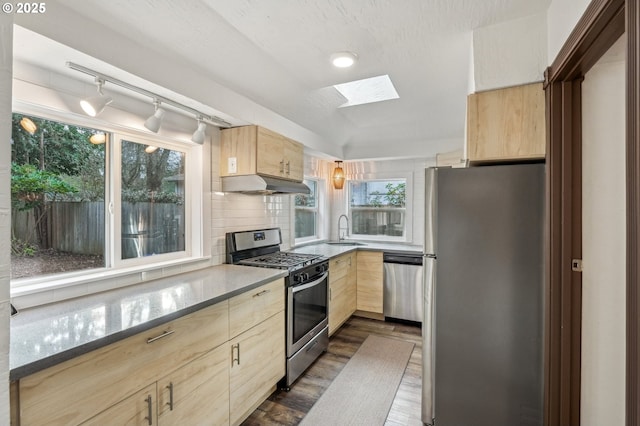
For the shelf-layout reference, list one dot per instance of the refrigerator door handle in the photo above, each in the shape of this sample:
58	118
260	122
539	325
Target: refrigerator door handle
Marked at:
428	341
431	177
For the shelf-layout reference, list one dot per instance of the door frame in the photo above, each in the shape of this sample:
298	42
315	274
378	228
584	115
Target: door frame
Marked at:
602	23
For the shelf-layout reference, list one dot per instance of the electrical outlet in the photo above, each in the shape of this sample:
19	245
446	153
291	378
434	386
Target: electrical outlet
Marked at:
233	165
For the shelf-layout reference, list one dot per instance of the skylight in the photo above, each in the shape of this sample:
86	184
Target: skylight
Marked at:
369	90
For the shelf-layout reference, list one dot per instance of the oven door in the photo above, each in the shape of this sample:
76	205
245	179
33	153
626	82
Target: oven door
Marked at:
307	307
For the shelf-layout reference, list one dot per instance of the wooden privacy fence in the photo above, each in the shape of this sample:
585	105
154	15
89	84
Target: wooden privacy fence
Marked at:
79	227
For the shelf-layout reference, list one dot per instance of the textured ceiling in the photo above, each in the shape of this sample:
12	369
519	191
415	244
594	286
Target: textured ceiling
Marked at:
276	53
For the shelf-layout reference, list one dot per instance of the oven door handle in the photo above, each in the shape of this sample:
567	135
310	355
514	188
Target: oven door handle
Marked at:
298	288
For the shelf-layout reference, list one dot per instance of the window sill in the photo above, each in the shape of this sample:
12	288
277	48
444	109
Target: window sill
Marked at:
26	293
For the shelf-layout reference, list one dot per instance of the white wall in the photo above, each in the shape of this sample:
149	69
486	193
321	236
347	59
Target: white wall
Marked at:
389	169
6	49
562	17
510	53
603	229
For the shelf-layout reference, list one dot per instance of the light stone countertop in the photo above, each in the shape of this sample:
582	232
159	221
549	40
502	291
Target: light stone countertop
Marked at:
329	250
50	334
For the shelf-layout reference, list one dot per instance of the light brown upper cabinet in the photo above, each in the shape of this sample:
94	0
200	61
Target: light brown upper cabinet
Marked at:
506	124
256	150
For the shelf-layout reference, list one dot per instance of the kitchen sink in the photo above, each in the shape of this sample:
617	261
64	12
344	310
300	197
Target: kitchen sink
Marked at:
345	243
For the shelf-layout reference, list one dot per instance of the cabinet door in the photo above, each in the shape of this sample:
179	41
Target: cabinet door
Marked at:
252	307
506	124
257	364
238	143
294	160
342	298
352	284
270	153
138	409
197	393
370	275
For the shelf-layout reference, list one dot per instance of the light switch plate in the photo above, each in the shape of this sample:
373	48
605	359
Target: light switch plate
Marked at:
232	165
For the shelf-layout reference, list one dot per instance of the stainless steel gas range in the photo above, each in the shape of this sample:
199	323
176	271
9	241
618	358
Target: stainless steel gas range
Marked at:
307	289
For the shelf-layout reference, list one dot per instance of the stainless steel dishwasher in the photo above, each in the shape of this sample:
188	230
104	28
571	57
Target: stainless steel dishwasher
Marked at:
403	286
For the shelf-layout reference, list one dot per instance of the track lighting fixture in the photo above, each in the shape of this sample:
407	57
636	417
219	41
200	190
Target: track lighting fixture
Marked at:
199	135
94	105
153	122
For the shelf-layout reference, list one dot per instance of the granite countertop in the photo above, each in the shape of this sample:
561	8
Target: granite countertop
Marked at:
47	335
330	250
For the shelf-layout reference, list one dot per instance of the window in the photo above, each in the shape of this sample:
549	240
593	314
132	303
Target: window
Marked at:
152	200
57	198
306	214
83	198
378	208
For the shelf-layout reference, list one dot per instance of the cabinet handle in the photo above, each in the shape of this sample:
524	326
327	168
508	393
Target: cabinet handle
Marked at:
330	295
163	335
233	358
170	403
261	293
282	166
149	417
288	167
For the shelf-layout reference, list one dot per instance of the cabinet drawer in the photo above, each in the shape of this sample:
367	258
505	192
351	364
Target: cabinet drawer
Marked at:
339	267
251	308
76	390
138	409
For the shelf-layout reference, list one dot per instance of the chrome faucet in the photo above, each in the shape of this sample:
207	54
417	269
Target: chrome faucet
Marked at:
346	234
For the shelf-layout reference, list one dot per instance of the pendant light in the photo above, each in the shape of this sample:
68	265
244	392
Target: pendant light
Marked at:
338	176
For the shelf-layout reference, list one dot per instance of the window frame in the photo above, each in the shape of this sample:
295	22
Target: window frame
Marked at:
320	190
407	235
114	266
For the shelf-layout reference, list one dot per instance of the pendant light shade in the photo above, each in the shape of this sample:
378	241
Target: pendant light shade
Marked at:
153	122
96	104
98	138
199	135
338	176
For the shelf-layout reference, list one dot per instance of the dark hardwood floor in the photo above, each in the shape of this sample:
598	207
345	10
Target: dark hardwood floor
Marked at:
288	408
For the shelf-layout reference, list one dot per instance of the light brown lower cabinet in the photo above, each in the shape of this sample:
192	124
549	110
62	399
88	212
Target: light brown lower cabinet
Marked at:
185	372
342	290
258	362
138	409
370	281
197	392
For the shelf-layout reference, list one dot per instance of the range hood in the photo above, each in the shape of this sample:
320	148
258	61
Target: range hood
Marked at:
258	184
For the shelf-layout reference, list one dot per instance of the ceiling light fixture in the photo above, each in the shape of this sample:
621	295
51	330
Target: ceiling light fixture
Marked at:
343	59
28	125
96	104
199	135
102	78
338	176
153	122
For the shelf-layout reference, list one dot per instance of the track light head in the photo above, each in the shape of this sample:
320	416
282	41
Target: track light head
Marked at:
96	104
199	134
153	122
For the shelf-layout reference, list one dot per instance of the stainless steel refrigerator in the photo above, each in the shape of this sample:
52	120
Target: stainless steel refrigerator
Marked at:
483	296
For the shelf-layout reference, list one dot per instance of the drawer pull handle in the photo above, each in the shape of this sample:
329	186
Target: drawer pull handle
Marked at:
233	359
149	417
282	166
288	167
170	403
261	293
164	334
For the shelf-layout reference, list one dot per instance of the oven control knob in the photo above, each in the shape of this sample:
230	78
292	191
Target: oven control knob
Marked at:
297	278
304	276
